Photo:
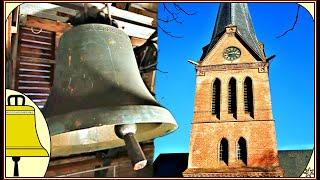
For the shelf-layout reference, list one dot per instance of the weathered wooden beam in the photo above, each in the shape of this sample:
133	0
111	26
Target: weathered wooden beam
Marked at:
151	7
152	83
131	16
14	58
133	24
11	28
114	11
47	11
45	24
8	36
13	49
135	30
75	6
149	78
8	61
140	9
145	13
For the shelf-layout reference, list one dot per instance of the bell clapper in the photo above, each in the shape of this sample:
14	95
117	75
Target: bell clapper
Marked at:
16	167
127	132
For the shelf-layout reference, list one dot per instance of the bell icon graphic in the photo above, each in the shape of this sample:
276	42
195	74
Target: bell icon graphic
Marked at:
21	133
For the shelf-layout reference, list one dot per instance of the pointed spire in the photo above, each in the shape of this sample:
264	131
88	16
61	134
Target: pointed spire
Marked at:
235	14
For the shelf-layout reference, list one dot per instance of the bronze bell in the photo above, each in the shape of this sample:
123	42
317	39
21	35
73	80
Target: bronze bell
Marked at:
98	99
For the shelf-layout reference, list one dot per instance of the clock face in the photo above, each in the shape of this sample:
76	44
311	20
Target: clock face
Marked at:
231	53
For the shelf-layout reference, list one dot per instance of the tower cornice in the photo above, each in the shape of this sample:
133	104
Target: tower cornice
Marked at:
261	66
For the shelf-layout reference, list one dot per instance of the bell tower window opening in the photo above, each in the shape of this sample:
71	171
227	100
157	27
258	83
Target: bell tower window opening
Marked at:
248	96
232	98
223	151
242	150
216	98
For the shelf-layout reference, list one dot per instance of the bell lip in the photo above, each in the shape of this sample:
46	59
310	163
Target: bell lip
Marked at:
63	150
100	116
19	108
27	152
95	138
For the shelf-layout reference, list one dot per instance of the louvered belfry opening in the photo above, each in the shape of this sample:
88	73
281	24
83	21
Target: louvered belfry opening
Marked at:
248	96
224	149
35	64
232	98
216	98
242	150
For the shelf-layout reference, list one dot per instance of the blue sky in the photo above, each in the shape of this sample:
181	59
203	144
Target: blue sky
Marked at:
291	73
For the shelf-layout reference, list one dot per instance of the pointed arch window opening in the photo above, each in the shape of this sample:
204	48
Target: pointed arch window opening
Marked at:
248	97
223	151
242	150
216	93
232	98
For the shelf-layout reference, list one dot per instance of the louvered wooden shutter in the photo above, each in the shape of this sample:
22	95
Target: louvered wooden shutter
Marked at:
248	96
229	99
35	64
246	103
232	98
216	98
214	94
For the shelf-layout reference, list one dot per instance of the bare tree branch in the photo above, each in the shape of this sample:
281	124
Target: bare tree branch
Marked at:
174	17
167	20
172	13
164	72
168	33
179	8
293	26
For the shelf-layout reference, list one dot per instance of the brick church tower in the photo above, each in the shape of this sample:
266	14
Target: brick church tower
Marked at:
233	131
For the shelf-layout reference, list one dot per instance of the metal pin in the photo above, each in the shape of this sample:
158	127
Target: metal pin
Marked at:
127	132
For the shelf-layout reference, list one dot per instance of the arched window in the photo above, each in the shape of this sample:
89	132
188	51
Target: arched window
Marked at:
232	98
216	98
248	96
223	150
242	150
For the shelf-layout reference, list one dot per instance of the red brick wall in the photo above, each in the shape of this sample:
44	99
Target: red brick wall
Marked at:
206	137
208	130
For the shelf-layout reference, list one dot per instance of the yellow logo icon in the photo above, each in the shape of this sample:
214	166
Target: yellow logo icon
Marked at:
22	138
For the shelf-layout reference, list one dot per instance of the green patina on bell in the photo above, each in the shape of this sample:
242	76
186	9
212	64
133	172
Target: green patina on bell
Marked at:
96	87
